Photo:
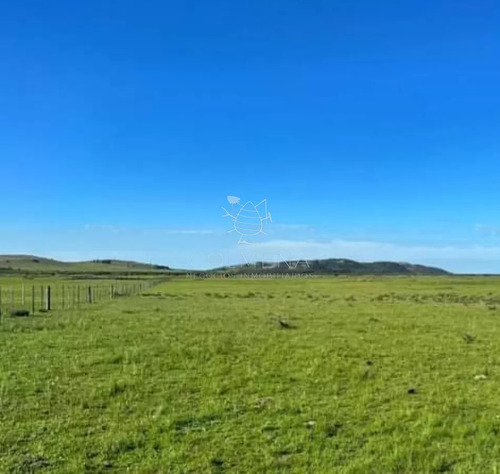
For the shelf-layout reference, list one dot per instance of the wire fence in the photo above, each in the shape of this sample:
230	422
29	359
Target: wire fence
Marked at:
23	299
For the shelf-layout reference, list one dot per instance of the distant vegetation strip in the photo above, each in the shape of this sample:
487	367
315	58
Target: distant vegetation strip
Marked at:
28	264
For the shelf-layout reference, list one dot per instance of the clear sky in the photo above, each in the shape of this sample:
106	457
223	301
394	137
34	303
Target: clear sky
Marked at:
371	128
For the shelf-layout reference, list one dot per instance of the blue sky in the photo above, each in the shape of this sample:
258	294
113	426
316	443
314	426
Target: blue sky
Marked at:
372	129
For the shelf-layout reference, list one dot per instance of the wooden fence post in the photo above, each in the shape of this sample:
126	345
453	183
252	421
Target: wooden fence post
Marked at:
49	299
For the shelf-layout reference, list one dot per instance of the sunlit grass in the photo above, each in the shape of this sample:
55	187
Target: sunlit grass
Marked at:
372	375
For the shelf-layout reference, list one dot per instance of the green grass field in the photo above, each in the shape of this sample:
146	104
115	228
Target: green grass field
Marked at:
375	375
31	294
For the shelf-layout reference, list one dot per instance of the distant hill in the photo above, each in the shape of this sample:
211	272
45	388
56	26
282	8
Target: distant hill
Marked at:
335	266
33	264
332	266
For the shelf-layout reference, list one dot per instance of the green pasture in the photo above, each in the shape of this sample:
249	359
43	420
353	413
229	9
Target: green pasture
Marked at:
319	375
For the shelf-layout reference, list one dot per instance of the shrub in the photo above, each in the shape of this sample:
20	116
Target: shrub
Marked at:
19	313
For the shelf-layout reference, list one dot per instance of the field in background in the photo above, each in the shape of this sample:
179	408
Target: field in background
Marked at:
40	295
347	375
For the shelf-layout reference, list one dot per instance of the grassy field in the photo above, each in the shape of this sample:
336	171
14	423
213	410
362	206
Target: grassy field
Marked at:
17	293
385	375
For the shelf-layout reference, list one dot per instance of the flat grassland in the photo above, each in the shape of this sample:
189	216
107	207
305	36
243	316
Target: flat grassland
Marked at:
362	375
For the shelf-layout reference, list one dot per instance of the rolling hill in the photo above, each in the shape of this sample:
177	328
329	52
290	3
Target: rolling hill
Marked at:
333	266
34	264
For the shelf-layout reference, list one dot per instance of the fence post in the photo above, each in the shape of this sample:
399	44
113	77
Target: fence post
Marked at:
33	300
49	301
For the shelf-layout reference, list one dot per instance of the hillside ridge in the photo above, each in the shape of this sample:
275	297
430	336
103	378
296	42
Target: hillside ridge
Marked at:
335	266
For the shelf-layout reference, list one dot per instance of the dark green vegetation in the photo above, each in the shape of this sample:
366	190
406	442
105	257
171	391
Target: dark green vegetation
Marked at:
335	266
348	375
